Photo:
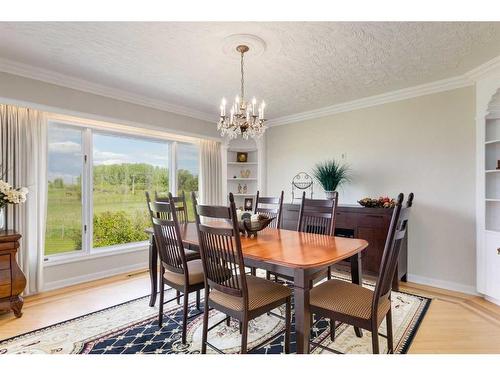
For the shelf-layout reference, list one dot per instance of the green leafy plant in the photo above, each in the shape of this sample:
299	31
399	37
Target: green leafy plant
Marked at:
331	174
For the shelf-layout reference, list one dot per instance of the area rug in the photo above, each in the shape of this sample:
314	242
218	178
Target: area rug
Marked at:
132	328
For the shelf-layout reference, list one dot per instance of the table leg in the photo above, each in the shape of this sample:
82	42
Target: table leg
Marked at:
153	269
357	278
302	312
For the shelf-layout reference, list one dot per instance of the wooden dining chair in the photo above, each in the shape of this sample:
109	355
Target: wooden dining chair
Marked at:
180	206
358	306
175	270
227	288
181	210
272	207
316	216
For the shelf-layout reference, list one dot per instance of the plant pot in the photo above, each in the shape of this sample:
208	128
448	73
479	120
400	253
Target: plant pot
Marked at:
330	194
2	218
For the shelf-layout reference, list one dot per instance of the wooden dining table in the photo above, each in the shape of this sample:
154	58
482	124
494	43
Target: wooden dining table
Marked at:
302	256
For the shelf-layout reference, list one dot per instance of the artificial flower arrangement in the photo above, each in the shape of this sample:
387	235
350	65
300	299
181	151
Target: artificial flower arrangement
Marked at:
384	202
10	195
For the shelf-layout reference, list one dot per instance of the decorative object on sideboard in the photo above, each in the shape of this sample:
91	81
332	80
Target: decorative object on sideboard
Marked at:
243	118
242	157
9	195
234	176
330	175
384	202
245	189
248	204
240	188
302	182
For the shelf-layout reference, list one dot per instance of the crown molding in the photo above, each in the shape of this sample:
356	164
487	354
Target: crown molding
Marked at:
371	101
464	80
59	79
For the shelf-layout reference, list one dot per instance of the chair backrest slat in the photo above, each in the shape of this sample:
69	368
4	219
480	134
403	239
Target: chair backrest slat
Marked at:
318	215
271	207
180	205
167	234
395	237
220	248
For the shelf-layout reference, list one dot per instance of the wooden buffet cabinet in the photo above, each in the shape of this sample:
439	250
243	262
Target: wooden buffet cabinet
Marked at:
12	280
370	224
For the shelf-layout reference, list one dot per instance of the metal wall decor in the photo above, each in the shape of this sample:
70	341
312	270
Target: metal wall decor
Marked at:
301	182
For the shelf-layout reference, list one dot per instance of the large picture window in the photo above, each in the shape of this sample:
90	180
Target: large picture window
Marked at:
97	182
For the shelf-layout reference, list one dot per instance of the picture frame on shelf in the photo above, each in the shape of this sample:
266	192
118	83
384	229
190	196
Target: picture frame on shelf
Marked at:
242	157
248	204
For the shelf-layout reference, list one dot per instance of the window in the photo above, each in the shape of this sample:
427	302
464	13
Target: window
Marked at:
64	205
187	172
124	169
97	182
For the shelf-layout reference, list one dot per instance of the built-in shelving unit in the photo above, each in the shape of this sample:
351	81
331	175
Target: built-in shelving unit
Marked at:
488	188
237	183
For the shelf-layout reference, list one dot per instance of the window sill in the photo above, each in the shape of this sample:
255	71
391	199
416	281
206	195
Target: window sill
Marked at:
56	260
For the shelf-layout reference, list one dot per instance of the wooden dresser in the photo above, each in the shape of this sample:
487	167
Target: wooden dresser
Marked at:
12	280
370	224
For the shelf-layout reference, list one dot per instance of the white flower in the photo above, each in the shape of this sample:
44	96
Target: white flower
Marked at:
4	187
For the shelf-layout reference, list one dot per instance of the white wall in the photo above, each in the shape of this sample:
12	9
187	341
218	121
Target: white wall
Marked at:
425	145
44	96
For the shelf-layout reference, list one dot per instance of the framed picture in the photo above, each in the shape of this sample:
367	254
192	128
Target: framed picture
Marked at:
248	204
241	157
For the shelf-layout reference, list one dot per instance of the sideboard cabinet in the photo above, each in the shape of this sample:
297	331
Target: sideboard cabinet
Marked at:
12	279
370	224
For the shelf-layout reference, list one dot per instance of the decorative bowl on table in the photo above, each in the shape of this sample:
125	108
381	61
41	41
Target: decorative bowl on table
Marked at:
251	224
384	202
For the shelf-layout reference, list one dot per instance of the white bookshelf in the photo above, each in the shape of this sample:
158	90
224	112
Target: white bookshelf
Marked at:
232	170
488	187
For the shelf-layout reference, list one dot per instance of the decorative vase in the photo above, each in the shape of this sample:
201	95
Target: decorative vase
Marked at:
330	194
2	218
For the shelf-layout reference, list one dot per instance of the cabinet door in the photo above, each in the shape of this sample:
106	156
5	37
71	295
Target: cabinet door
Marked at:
493	264
373	253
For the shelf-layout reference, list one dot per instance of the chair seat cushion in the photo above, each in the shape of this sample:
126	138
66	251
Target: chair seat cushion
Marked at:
261	292
348	299
195	271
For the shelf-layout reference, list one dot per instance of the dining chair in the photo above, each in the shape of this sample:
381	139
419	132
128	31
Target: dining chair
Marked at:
180	206
175	270
358	306
180	209
228	288
316	216
272	207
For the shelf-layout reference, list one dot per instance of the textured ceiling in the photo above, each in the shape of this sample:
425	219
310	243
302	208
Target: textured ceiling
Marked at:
305	65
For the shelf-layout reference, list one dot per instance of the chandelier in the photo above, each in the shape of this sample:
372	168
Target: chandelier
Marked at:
243	119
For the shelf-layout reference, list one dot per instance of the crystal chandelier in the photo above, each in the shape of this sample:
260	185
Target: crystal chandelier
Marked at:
243	119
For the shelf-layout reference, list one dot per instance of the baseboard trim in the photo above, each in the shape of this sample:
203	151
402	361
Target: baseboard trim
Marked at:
93	276
443	284
492	300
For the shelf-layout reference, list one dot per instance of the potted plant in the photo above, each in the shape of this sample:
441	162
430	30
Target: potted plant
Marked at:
331	174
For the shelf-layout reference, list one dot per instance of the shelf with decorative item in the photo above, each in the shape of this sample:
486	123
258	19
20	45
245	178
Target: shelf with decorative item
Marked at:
241	179
242	163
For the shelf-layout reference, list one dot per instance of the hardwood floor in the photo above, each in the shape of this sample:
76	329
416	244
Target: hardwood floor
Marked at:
455	322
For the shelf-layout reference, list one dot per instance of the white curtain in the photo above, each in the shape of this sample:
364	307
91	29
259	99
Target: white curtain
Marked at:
23	141
210	173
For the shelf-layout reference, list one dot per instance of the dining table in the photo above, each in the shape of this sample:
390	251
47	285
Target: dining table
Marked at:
303	257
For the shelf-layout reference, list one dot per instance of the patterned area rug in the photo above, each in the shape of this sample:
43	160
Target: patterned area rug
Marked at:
132	327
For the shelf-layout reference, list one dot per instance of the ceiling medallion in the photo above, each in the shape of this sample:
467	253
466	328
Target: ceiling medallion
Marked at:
243	118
